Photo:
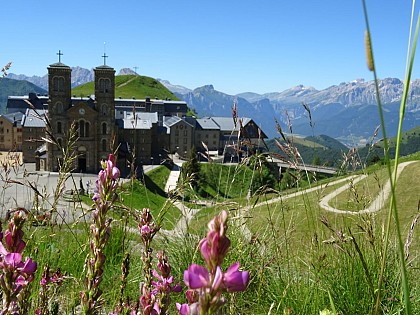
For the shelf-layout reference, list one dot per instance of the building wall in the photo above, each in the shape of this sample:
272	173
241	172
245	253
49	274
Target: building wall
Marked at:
32	140
211	137
10	135
181	138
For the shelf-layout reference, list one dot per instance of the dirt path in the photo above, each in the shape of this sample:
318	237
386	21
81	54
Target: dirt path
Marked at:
375	205
188	213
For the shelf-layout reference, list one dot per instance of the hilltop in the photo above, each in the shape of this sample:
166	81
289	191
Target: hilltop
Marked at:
129	86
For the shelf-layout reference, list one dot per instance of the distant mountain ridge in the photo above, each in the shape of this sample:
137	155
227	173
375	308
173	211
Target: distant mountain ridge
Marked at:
347	111
79	76
9	87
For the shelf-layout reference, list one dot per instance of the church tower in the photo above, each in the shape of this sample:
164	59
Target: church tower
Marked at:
59	91
105	105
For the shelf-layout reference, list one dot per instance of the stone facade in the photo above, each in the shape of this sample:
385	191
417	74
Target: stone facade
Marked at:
145	131
91	121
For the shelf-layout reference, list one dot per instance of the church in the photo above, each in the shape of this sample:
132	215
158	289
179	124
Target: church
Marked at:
141	131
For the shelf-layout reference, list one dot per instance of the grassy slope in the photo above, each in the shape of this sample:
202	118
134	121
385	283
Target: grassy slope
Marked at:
129	86
326	149
285	254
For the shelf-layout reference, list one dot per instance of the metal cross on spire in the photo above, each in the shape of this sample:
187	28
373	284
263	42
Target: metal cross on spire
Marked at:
59	55
104	56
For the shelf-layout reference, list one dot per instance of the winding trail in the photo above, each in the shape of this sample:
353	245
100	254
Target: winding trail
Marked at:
188	213
375	205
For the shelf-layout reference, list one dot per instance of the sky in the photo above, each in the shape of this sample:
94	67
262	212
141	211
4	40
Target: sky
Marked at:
237	46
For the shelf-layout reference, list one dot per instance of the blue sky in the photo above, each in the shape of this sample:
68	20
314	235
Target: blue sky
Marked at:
238	46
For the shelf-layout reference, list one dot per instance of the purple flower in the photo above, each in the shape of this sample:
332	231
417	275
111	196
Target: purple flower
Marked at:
235	280
197	277
185	309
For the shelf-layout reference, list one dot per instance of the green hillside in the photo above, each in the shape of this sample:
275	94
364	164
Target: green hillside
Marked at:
322	149
410	143
129	86
9	87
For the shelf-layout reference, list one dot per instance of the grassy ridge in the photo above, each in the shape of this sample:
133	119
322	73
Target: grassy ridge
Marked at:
129	86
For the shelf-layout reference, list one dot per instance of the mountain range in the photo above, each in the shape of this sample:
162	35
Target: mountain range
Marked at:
347	111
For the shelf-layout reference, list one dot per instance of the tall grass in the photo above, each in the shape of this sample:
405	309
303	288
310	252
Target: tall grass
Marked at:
302	259
393	213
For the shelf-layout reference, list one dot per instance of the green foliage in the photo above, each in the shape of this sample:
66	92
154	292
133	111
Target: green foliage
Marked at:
264	175
129	86
149	193
190	171
321	149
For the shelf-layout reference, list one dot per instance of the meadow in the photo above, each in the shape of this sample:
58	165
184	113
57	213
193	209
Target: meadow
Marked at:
296	256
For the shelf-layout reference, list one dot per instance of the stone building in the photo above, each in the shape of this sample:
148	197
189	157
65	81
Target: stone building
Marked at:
143	131
92	121
33	131
11	132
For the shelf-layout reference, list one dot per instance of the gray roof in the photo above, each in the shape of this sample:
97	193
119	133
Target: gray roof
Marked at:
141	120
34	119
13	117
137	124
226	123
153	117
170	120
59	65
207	123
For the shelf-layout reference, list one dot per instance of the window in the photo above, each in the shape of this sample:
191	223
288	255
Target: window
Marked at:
104	108
58	84
19	138
177	133
1	129
59	107
1	138
185	140
103	145
185	132
82	128
59	127
104	128
60	143
104	85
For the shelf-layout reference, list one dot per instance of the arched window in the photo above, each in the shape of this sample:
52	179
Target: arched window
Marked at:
58	84
104	145
104	85
59	107
104	109
104	128
59	127
83	128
